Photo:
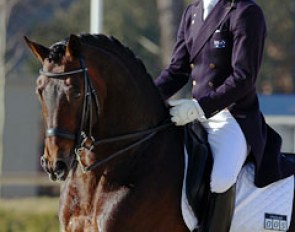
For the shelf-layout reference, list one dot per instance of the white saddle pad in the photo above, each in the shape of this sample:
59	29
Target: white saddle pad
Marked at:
262	209
266	209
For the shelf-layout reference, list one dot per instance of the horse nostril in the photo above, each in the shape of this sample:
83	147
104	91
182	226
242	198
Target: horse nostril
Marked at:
60	165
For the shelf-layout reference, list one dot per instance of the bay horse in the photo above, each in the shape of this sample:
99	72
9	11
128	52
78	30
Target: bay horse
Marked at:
123	117
109	139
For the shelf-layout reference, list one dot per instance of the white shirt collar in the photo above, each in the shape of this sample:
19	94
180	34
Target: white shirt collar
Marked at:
209	2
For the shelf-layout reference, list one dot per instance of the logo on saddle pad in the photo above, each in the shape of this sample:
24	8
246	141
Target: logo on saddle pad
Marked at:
275	222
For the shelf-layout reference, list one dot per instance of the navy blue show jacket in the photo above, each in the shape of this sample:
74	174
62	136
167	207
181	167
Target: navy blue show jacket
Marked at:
223	55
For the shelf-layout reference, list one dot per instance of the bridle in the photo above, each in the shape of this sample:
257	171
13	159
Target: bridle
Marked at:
83	138
90	99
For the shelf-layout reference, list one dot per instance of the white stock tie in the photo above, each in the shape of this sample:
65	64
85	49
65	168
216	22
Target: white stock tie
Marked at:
208	6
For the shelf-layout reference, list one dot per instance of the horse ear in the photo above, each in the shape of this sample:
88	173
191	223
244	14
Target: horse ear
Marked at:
74	47
38	50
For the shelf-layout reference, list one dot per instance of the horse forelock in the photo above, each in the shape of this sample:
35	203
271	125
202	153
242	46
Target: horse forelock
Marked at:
57	51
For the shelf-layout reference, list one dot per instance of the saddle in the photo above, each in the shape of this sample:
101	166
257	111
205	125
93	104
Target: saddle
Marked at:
213	211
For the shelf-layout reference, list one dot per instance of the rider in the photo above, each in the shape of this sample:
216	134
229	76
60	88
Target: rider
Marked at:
220	45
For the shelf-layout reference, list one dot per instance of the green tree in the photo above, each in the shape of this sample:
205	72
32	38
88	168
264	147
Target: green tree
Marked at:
135	26
277	74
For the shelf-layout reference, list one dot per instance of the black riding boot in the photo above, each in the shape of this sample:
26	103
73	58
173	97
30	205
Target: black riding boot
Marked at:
220	212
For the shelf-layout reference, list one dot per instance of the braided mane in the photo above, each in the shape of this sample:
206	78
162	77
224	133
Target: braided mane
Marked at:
107	43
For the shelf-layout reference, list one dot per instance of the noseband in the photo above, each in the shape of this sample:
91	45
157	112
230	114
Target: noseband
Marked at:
83	138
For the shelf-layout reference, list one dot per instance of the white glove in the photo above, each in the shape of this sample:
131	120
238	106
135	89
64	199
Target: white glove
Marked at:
184	111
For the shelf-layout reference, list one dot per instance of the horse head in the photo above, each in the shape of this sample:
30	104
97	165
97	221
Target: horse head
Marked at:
89	87
61	98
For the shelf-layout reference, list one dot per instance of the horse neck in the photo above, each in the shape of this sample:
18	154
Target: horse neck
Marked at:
129	103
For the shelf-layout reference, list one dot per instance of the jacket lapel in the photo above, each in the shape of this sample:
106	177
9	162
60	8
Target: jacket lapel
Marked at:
211	24
197	18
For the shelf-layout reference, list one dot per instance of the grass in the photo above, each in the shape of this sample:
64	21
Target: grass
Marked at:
29	215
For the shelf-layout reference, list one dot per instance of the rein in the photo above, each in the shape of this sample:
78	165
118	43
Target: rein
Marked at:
84	135
149	134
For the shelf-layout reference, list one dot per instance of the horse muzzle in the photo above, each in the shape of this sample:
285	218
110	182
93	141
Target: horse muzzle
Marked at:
57	170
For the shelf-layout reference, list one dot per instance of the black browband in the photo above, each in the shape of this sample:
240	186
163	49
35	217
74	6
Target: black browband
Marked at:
61	75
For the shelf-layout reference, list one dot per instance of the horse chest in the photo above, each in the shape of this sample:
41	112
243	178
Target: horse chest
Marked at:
79	213
108	206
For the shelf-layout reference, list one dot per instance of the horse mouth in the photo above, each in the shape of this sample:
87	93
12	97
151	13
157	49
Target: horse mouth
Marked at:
57	172
59	176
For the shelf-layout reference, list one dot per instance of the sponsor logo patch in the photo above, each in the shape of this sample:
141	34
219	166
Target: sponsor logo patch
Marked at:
275	222
219	44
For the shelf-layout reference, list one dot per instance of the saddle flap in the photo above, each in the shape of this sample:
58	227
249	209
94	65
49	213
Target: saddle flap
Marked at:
199	168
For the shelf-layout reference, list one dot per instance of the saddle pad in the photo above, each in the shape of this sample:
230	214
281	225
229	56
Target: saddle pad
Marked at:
265	209
187	213
257	209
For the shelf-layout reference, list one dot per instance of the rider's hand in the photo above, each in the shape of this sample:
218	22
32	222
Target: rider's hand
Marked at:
184	111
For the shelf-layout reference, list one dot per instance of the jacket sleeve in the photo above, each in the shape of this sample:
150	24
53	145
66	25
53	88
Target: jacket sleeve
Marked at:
249	30
176	75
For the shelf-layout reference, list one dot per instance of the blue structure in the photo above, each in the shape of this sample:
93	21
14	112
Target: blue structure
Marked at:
277	105
279	112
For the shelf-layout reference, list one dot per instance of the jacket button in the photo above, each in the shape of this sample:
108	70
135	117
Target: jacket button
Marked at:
212	66
194	83
210	84
192	66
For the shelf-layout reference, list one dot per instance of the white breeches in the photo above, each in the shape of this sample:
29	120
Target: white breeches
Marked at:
229	150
